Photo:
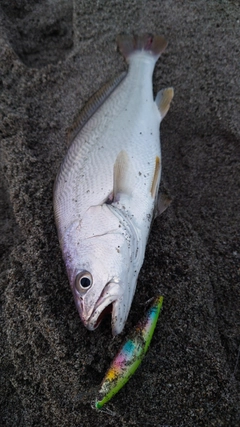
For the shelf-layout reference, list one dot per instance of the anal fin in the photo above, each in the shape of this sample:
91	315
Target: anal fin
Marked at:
163	100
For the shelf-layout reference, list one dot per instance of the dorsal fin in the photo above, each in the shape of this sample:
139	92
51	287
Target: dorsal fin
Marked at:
92	105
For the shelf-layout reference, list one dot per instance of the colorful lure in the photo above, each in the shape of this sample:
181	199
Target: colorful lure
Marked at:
130	356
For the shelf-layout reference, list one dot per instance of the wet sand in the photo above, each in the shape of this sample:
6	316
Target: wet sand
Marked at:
53	56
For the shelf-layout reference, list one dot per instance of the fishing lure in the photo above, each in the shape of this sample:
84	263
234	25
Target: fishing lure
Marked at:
130	356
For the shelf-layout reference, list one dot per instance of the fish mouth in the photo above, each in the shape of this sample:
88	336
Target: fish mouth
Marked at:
107	310
110	301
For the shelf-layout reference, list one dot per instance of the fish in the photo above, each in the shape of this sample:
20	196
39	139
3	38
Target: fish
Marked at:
130	356
106	190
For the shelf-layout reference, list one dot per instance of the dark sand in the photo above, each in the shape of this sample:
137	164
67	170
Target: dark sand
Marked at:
53	56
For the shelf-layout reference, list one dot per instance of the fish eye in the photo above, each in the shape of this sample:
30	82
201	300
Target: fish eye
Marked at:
83	281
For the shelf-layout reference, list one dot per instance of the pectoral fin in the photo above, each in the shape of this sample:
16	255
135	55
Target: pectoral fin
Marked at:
121	176
163	100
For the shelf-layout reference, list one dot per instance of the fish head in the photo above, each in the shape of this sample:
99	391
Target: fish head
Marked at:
95	298
104	283
102	275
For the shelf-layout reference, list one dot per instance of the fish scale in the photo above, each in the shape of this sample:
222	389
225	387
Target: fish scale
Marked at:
108	182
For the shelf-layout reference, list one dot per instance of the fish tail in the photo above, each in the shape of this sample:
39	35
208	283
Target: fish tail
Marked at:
128	44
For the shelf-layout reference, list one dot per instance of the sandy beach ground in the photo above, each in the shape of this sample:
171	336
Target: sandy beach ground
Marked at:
53	56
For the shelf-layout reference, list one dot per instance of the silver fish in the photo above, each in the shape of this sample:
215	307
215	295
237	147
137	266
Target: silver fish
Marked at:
106	191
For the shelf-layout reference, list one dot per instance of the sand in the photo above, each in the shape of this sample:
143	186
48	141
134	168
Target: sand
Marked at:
53	56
